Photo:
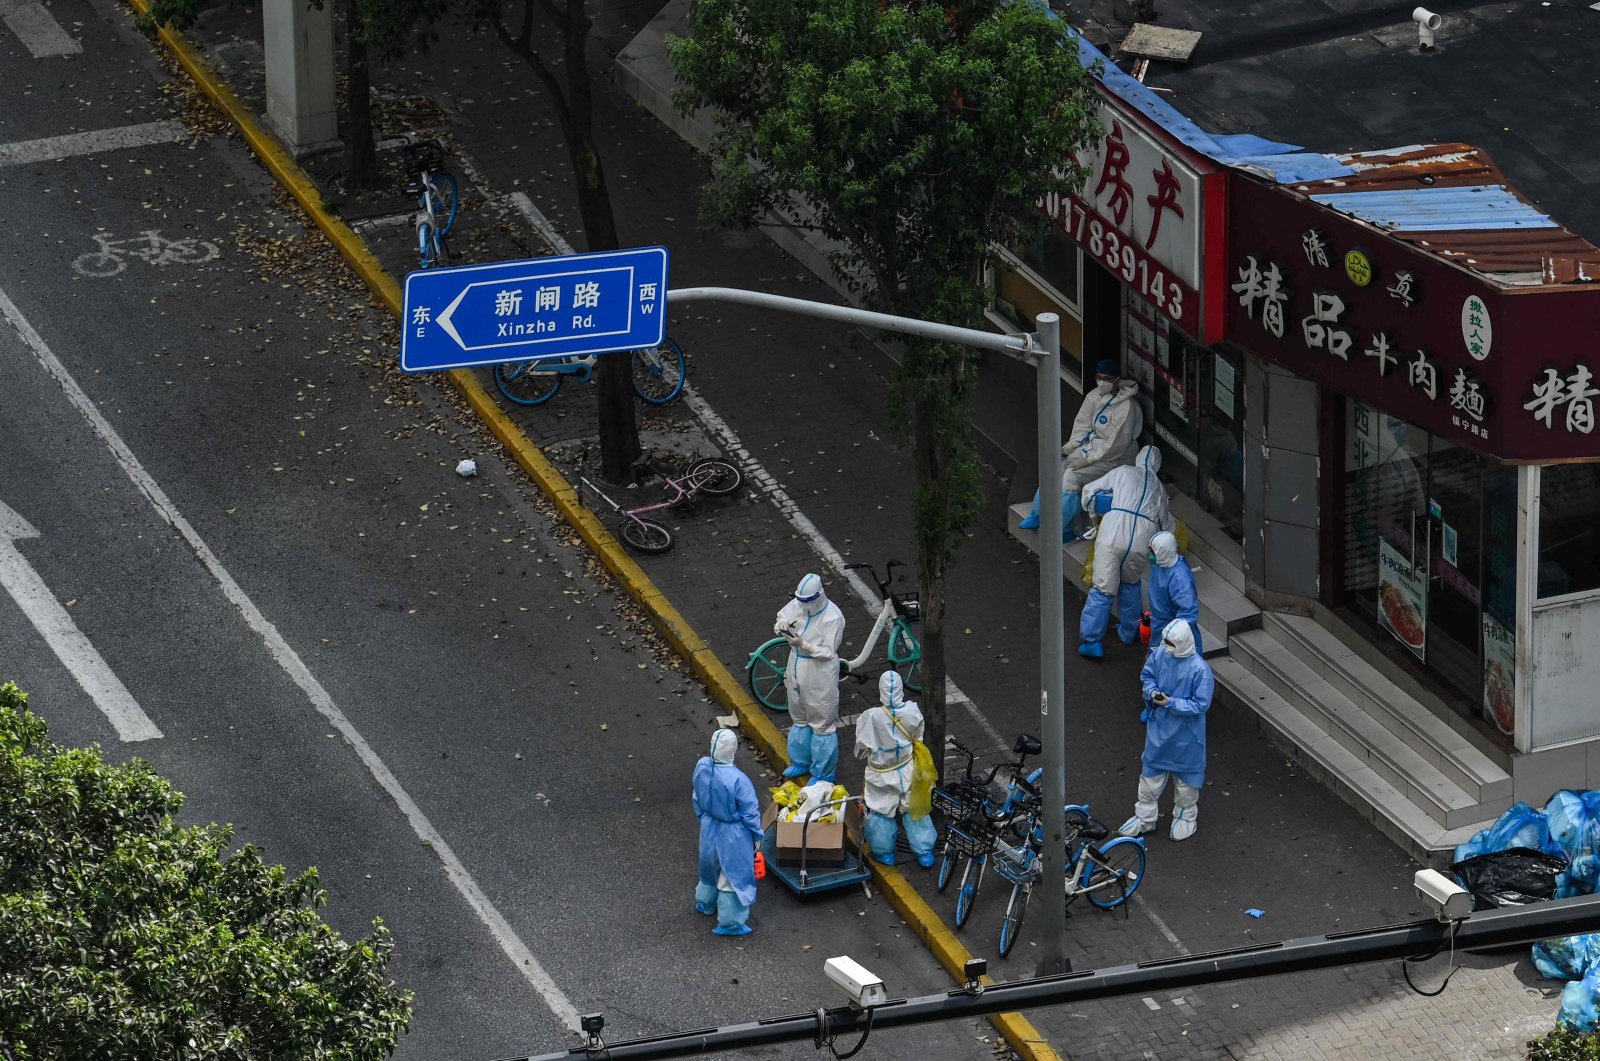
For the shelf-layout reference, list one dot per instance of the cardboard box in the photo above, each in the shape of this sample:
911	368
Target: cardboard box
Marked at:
827	845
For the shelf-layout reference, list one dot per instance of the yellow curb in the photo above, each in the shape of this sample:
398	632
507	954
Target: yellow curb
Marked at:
1018	1032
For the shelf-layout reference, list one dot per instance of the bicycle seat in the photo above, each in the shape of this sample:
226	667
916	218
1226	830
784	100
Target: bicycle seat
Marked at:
1096	831
1027	744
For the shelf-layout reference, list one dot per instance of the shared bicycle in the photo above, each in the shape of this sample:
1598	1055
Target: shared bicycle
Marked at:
657	374
898	612
438	196
711	476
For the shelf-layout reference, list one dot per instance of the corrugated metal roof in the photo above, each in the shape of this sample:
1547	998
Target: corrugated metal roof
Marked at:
1452	201
1485	206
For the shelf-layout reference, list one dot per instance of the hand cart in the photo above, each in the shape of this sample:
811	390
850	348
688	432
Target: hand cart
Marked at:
806	881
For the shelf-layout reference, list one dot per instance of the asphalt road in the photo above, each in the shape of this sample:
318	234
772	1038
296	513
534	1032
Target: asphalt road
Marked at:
347	648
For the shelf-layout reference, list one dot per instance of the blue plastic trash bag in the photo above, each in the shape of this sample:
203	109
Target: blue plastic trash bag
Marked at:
1574	821
1578	1001
1569	958
1519	826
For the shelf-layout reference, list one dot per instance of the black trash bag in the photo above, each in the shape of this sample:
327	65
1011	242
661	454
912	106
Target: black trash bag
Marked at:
1516	876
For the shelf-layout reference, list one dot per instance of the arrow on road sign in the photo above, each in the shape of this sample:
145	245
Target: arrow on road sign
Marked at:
62	634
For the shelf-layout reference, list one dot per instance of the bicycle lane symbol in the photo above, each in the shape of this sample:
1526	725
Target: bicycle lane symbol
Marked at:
149	246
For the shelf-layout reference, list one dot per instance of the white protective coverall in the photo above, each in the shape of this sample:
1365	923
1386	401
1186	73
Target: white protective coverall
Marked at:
887	782
1104	436
814	627
1122	548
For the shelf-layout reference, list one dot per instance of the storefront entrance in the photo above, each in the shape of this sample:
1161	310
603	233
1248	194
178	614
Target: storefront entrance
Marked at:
1423	528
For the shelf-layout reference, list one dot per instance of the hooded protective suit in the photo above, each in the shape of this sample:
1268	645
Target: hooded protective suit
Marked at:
1104	436
814	627
884	736
730	830
1121	548
1172	591
1175	731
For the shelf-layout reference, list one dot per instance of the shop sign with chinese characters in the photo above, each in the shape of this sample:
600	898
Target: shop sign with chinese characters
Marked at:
1506	371
1145	213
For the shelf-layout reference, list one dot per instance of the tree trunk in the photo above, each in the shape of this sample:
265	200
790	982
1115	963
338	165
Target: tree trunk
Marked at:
932	481
619	426
362	171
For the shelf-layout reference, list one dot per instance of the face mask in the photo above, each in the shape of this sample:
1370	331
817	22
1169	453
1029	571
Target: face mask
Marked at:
1104	386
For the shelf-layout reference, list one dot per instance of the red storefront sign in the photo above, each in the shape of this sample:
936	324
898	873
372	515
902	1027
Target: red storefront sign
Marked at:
1511	372
1146	213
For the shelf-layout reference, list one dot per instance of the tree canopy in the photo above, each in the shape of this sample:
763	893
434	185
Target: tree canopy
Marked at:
126	935
914	135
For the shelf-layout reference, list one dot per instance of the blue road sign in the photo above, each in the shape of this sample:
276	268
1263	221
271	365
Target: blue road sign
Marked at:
534	309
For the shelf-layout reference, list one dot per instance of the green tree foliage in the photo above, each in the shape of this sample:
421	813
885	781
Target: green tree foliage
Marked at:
126	935
915	134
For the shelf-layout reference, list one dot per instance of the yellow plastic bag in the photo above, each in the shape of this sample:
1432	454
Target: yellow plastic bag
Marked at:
786	794
1088	566
923	775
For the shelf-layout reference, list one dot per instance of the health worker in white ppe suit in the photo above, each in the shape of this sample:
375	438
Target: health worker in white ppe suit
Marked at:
1104	436
1122	549
814	628
884	736
1178	686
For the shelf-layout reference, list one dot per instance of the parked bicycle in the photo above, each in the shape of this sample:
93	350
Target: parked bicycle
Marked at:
1107	874
975	820
711	476
657	375
898	612
437	194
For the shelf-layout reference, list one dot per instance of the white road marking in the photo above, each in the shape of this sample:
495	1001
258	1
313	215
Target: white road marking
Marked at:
63	636
38	30
736	451
51	148
301	675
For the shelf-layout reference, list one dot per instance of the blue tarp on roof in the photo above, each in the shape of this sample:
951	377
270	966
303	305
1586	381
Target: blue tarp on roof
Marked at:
1483	206
1286	163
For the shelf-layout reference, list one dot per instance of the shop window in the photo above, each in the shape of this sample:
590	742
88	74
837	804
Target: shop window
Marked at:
1054	257
1019	293
1569	529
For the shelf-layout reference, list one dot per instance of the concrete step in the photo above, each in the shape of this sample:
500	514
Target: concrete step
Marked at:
1400	765
1330	762
1334	662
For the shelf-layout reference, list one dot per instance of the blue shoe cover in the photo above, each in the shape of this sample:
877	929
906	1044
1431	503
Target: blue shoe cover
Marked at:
1031	520
798	770
825	757
925	861
732	930
1092	650
705	908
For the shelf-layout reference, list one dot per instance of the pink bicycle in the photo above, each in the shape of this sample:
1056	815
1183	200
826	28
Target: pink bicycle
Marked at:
711	476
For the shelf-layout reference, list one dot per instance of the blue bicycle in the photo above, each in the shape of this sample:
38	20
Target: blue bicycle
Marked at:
657	375
438	196
975	819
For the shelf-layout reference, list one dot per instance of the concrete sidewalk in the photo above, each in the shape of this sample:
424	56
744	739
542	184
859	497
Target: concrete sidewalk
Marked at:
803	406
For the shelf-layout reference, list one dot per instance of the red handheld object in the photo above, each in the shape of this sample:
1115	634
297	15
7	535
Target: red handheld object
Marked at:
1144	628
761	865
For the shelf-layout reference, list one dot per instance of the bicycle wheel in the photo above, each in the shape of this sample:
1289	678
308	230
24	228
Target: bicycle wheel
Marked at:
905	654
1114	872
765	673
971	881
947	864
526	382
1016	907
658	374
646	535
715	477
448	202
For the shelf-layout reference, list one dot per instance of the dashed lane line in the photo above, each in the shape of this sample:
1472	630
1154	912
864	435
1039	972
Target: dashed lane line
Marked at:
71	145
292	665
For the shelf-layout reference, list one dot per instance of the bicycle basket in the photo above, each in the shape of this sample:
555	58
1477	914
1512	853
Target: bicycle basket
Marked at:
907	605
426	156
1016	866
956	804
968	841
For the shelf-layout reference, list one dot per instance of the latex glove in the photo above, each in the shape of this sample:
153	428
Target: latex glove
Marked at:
815	651
784	630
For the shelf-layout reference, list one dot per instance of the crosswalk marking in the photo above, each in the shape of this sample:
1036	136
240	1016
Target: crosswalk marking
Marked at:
50	148
37	29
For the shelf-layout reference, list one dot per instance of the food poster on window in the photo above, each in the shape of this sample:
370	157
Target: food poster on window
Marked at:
1403	599
1499	675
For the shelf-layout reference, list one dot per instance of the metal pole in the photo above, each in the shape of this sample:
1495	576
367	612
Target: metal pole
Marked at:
1052	634
1489	928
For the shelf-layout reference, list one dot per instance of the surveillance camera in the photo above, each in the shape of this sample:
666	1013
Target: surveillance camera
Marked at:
592	1023
862	988
1426	22
975	969
1449	900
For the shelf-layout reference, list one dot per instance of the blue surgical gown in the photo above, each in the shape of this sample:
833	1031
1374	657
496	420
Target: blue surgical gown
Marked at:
1173	596
1175	736
730	825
